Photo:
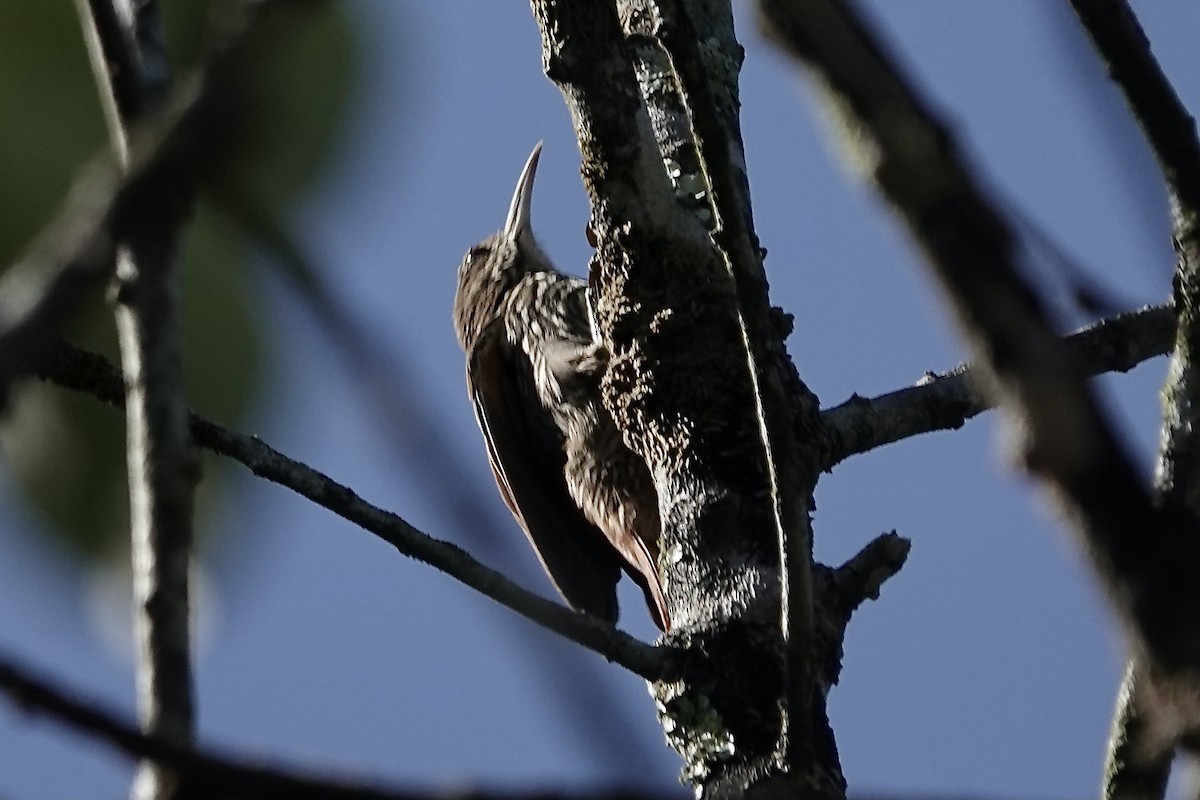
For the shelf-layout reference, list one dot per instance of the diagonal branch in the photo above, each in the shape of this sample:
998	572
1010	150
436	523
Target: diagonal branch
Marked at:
92	374
1148	722
390	389
1171	134
207	773
1169	129
133	76
71	262
1141	554
68	265
74	256
222	775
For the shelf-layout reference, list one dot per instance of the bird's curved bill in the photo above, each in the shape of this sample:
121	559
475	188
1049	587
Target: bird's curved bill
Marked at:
522	200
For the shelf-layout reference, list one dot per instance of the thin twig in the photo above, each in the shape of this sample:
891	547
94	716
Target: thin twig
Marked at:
92	374
68	266
73	257
392	391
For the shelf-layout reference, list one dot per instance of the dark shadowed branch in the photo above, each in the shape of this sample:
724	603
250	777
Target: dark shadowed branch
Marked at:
72	260
1141	554
860	578
1141	744
1149	721
208	773
68	266
129	61
214	774
1168	127
1171	134
842	590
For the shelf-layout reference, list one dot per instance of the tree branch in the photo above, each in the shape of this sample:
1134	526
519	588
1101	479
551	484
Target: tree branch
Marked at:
129	62
92	374
70	263
1171	134
861	577
947	400
122	37
1141	744
1146	558
1169	129
735	241
842	590
213	774
205	773
1149	721
670	310
74	256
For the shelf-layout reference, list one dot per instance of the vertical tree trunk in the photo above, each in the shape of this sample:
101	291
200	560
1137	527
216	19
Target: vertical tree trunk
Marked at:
700	384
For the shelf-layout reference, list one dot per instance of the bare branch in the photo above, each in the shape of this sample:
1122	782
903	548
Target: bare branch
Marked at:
945	401
122	37
842	590
208	773
69	265
92	374
1171	133
129	61
860	578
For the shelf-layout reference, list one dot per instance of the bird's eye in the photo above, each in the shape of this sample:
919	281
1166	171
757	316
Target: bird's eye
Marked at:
479	251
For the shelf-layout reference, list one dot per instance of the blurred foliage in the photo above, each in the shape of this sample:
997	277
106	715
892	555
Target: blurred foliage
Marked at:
65	451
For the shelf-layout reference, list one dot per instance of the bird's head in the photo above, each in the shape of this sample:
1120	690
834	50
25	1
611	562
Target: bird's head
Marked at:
493	267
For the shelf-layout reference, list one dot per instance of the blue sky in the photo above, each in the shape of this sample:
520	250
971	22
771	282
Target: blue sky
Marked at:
988	666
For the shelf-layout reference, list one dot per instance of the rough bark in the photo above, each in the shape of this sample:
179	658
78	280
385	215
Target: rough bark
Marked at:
701	386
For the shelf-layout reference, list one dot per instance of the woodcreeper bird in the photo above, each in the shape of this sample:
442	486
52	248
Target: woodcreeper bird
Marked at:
534	363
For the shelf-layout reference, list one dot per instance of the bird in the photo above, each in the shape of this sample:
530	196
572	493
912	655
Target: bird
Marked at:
585	501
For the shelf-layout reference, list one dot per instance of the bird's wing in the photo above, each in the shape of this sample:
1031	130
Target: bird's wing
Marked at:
644	571
529	471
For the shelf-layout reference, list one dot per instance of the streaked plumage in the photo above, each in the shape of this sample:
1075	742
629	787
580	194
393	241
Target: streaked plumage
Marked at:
586	502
